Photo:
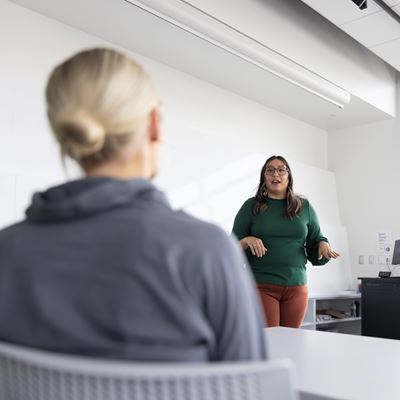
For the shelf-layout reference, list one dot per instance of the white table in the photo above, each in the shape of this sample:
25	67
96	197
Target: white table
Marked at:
339	366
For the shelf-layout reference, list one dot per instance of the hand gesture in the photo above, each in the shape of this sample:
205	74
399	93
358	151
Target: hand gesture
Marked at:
325	250
255	245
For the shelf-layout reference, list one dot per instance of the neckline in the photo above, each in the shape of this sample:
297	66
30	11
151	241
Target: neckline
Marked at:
272	199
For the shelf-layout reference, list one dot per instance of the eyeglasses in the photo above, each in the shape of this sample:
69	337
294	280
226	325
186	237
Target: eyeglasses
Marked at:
281	171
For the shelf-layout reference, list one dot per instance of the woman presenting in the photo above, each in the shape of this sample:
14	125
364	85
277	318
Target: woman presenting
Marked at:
279	231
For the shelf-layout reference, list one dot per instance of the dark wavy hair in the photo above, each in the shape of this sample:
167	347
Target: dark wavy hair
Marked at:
294	202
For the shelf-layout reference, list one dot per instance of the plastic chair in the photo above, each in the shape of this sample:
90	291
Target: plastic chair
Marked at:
27	374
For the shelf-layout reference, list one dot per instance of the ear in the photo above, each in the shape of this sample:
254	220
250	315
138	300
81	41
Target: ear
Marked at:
154	128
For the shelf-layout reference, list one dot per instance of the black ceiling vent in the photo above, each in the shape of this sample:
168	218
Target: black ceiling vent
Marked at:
361	4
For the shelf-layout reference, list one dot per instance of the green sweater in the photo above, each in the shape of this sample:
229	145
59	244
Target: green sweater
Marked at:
289	242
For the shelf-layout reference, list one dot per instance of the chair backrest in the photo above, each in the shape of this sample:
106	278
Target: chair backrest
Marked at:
27	374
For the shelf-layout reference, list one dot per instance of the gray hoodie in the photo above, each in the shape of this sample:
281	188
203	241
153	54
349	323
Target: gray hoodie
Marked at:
104	267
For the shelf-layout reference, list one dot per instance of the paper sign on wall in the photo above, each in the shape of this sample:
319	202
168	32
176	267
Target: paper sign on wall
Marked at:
384	242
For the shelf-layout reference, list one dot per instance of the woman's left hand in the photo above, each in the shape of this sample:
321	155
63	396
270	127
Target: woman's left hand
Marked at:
325	251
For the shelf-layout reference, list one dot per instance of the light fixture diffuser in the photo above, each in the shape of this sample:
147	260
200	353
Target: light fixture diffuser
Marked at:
197	22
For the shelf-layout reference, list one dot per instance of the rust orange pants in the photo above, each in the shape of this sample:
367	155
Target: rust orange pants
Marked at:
283	305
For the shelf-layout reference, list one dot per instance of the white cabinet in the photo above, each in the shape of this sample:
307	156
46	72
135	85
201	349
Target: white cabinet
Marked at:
347	305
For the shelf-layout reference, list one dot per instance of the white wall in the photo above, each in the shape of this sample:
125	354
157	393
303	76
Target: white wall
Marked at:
206	127
367	165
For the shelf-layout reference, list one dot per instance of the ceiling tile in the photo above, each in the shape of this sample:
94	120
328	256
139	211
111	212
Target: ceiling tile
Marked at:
341	11
389	51
374	29
392	3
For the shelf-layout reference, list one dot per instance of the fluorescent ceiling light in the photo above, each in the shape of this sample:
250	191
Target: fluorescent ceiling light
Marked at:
197	22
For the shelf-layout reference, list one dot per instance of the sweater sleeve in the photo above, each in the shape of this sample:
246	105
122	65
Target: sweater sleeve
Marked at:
232	307
243	219
314	236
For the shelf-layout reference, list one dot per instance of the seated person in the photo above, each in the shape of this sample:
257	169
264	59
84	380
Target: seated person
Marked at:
102	266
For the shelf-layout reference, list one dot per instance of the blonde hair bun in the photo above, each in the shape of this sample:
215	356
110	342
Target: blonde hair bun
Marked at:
98	101
80	134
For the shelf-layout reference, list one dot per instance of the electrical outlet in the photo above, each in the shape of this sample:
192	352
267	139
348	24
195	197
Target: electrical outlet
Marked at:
361	259
371	259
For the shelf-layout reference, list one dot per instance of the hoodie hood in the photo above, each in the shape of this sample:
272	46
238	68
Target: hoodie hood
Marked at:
89	196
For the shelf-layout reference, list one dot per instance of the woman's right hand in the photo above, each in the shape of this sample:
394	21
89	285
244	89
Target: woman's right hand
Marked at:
255	245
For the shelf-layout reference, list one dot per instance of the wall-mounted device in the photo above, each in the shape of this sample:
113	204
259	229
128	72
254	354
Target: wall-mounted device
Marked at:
362	4
395	260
